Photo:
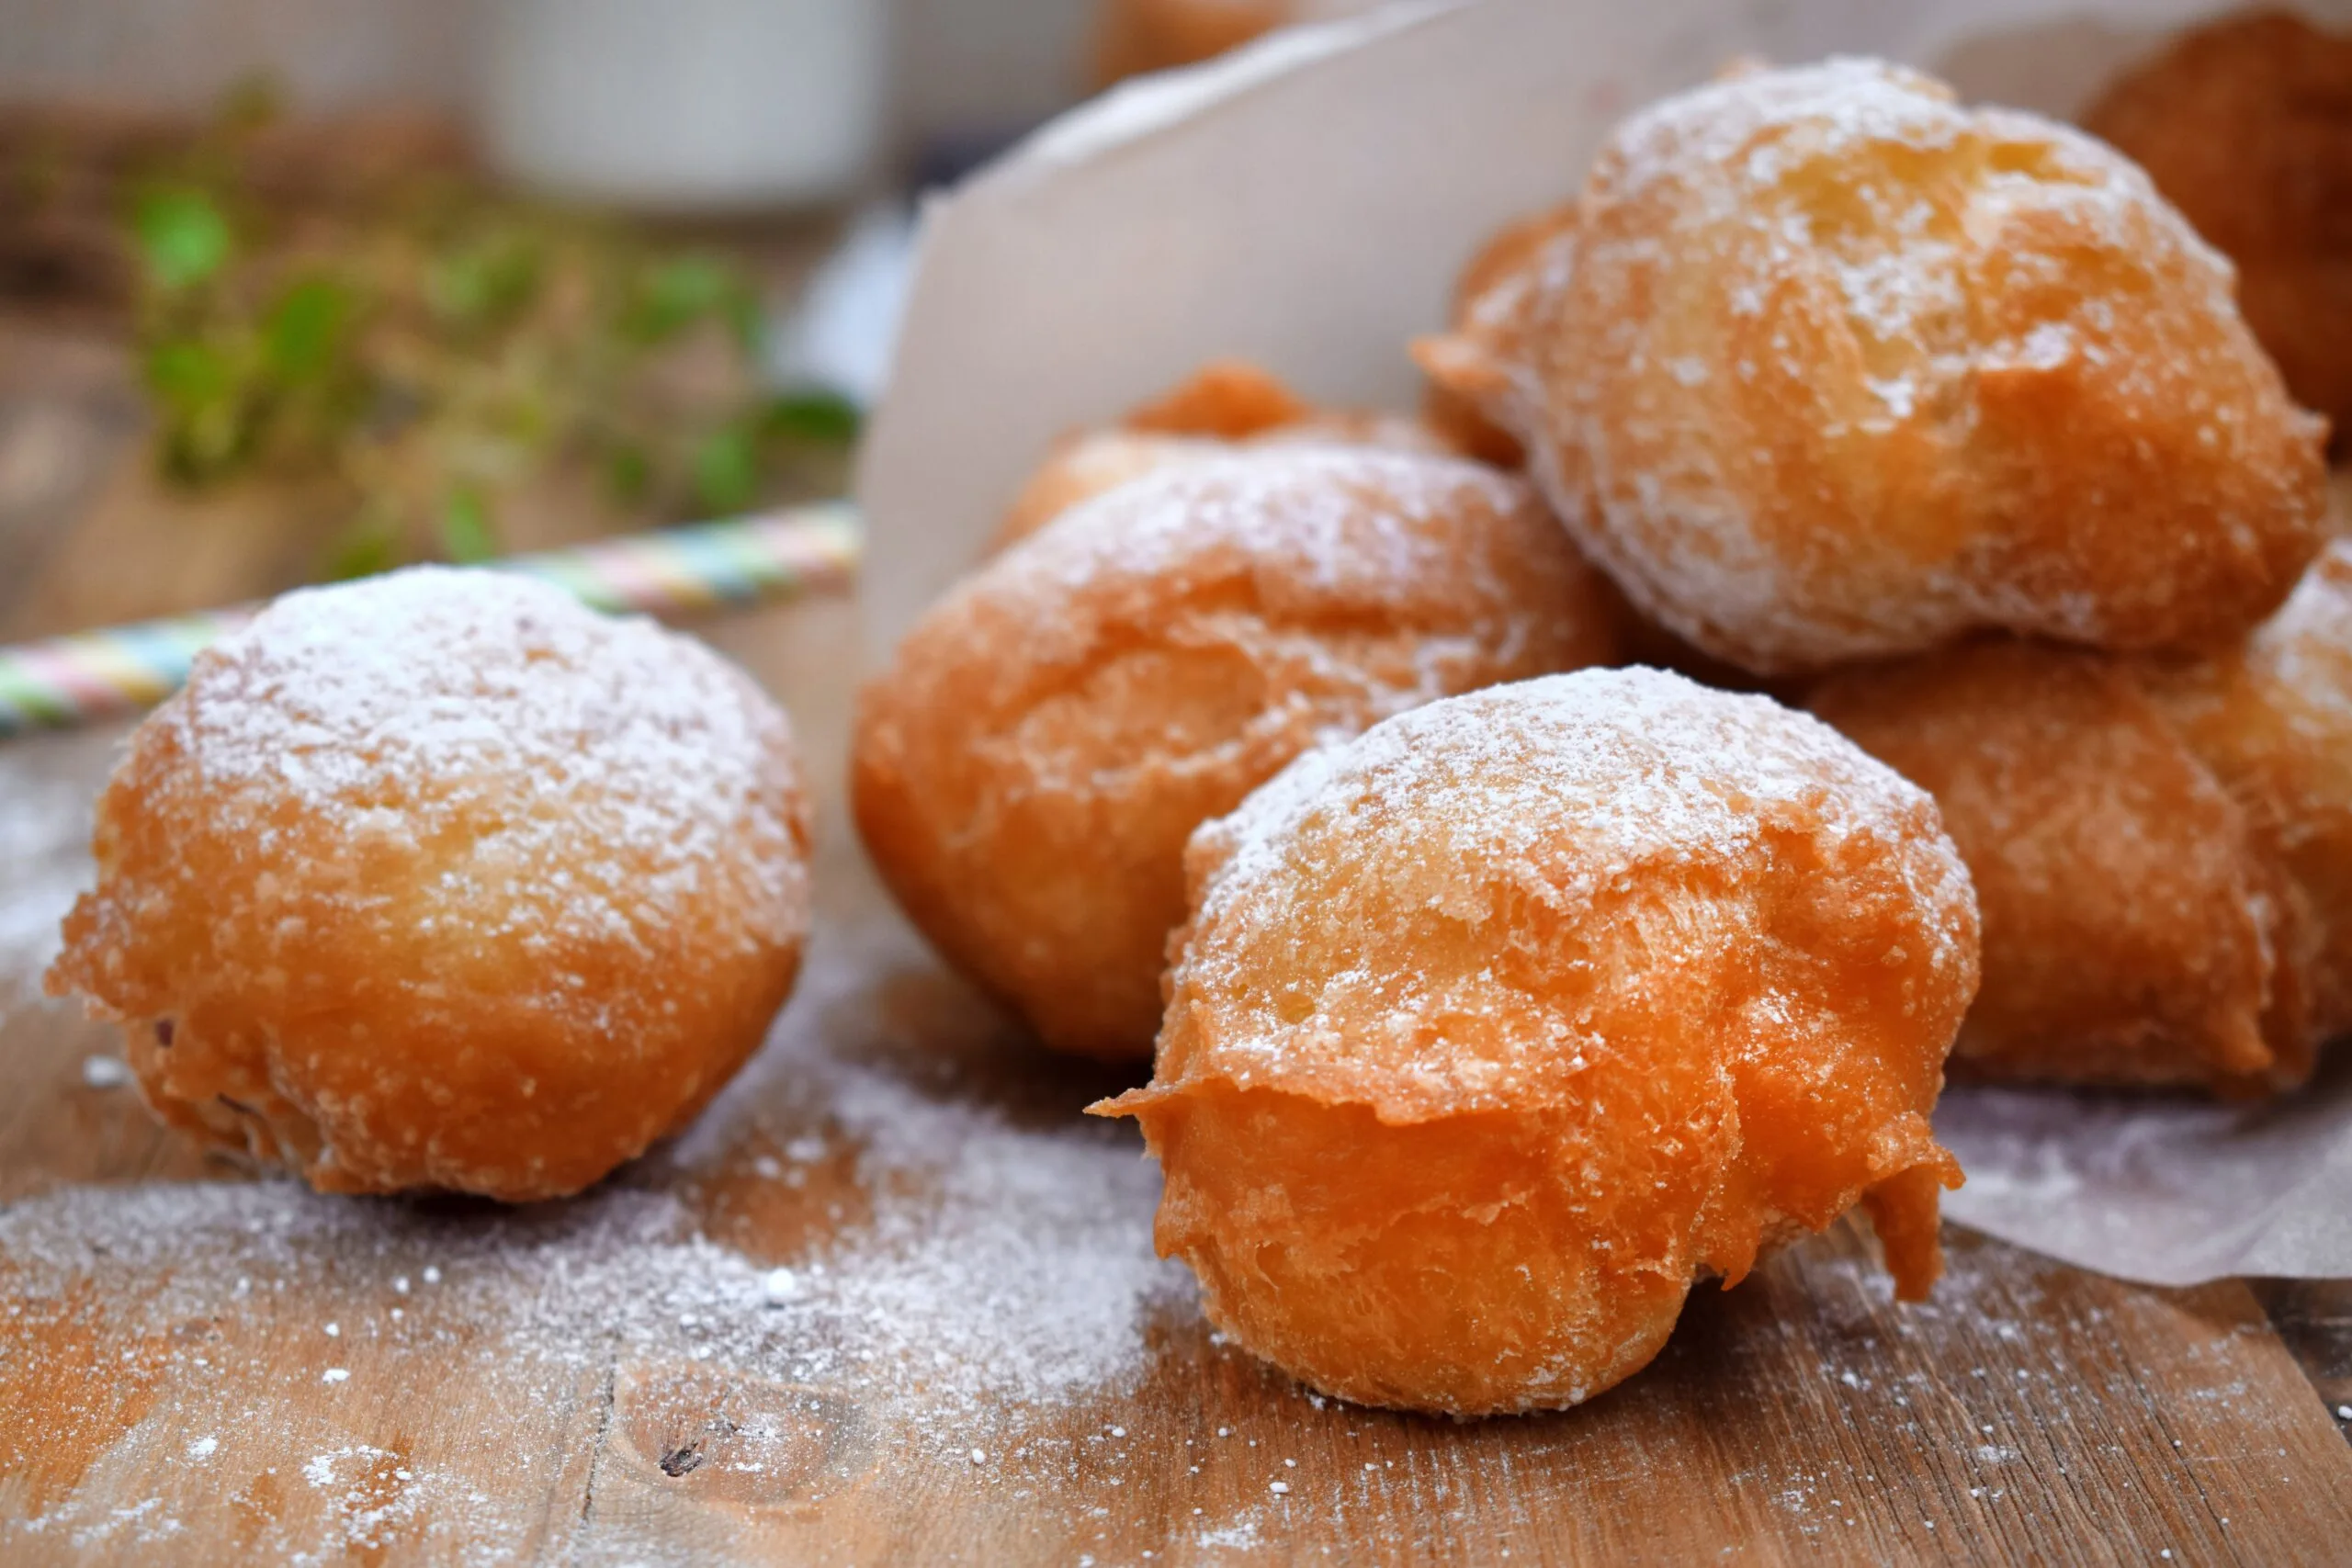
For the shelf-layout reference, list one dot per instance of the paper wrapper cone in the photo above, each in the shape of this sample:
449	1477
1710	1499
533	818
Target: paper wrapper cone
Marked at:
1306	203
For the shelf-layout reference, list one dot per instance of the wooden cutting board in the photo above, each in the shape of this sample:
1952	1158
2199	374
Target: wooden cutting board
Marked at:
970	1356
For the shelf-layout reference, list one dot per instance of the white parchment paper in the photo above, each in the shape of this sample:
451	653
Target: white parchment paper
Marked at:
1306	203
2169	1190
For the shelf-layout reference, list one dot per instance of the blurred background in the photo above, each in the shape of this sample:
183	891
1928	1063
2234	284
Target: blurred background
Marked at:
298	290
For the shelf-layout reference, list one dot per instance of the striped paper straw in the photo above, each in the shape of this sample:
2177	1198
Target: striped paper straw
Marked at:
777	555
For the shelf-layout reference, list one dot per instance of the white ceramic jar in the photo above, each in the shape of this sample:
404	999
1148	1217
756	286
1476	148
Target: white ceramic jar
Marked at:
684	106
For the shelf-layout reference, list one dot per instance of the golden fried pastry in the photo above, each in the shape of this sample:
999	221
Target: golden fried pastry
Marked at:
441	880
1226	403
1455	421
1827	367
1083	467
1028	769
1136	36
2273	720
1230	399
1495	1030
2247	127
1235	401
2138	930
1488	298
2162	848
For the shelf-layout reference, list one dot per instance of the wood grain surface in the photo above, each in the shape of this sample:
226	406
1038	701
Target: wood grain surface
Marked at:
200	1364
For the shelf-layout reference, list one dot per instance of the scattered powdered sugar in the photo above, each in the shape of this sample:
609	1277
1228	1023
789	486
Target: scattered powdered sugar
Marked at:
1027	1277
999	1266
1018	1266
379	1503
104	1072
1241	1536
321	1469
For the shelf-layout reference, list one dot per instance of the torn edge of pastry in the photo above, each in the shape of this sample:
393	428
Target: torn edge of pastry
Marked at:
1470	366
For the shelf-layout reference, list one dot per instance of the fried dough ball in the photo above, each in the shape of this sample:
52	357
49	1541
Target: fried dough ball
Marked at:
1828	368
1136	36
2138	930
1028	769
2162	848
2247	127
1226	403
2273	720
443	881
1496	1028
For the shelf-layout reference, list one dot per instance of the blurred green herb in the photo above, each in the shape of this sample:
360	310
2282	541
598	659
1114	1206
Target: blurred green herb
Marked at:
467	532
439	357
182	236
820	419
683	292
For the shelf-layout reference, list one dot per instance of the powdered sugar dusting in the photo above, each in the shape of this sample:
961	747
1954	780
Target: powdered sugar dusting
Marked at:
1644	766
983	1271
1326	518
617	763
1360	581
2307	646
1000	1261
1895	253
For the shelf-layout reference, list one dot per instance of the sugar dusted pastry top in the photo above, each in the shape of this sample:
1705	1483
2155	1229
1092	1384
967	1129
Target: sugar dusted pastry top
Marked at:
1561	796
1223	406
580	773
1826	367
